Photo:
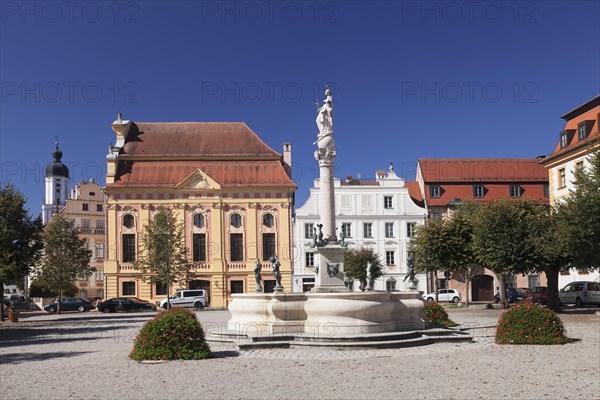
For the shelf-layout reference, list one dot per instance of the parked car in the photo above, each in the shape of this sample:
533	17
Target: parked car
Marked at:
125	304
580	293
539	294
186	298
511	294
522	293
444	295
69	304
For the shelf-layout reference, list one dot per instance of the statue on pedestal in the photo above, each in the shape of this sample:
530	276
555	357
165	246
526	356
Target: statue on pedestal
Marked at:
258	277
370	281
325	119
410	273
342	239
276	274
318	237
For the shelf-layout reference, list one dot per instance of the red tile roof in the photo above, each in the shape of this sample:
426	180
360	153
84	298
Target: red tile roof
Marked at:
195	139
163	154
482	170
492	191
168	174
414	191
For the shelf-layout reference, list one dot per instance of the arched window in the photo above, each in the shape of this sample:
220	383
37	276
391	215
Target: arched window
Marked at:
268	220
199	220
128	221
236	220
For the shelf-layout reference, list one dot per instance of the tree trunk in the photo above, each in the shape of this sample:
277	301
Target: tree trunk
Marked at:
502	284
435	285
59	299
468	282
2	305
552	275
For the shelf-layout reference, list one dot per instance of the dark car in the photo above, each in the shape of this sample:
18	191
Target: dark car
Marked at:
539	294
511	294
522	293
69	304
125	304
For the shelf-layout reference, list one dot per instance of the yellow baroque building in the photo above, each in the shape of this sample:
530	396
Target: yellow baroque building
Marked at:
232	192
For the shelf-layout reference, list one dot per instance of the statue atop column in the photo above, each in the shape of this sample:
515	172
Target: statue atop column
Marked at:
325	123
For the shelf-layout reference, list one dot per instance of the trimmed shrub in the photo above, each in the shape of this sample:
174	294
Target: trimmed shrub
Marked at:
530	323
436	314
171	335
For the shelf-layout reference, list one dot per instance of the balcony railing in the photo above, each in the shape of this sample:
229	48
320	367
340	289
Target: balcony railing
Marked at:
90	231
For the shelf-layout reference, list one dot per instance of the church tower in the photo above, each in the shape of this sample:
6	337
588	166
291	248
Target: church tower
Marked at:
56	186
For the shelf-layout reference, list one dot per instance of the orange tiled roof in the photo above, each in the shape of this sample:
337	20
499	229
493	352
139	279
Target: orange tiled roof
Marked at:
586	112
196	139
415	193
493	191
482	170
170	173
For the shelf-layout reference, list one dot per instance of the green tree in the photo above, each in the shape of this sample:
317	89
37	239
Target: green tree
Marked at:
428	249
445	245
41	288
554	247
355	266
580	212
65	256
504	233
163	256
20	238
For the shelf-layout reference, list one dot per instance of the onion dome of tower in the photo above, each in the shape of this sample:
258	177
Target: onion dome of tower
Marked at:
56	167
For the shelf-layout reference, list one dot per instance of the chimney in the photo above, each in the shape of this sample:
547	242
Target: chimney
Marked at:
287	158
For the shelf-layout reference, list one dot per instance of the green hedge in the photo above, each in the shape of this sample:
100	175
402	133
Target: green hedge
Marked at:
529	323
171	335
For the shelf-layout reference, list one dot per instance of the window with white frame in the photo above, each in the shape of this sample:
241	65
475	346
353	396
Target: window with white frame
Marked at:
478	191
390	258
309	259
410	229
367	201
100	250
99	224
309	231
389	229
435	191
515	191
99	275
388	202
347	229
85	223
346	201
390	286
368	230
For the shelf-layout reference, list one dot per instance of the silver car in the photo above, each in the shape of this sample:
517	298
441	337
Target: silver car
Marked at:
186	298
580	293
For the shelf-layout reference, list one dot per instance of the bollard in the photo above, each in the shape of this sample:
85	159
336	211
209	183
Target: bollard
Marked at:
13	316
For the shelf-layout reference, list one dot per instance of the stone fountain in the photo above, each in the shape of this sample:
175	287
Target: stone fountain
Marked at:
330	309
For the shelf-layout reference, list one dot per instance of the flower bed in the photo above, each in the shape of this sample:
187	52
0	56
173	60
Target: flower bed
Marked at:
436	315
529	323
171	335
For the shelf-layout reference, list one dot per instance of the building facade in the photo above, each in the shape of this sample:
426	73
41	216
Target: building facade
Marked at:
579	136
381	214
447	182
85	206
232	193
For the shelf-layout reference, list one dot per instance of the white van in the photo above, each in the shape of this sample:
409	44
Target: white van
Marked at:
186	298
580	293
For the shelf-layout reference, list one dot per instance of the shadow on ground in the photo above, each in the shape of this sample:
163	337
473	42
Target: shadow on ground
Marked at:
16	358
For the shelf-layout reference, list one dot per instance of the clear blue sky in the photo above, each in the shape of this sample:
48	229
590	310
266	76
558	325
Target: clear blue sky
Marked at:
454	79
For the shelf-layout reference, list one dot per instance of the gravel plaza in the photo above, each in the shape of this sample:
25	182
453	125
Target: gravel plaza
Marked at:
85	356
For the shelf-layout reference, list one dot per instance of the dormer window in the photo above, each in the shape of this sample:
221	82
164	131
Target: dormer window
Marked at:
515	191
564	140
478	191
582	131
435	191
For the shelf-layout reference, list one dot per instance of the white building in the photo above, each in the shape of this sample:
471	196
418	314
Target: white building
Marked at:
379	213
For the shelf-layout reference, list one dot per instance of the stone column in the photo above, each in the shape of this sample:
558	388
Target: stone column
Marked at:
326	159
